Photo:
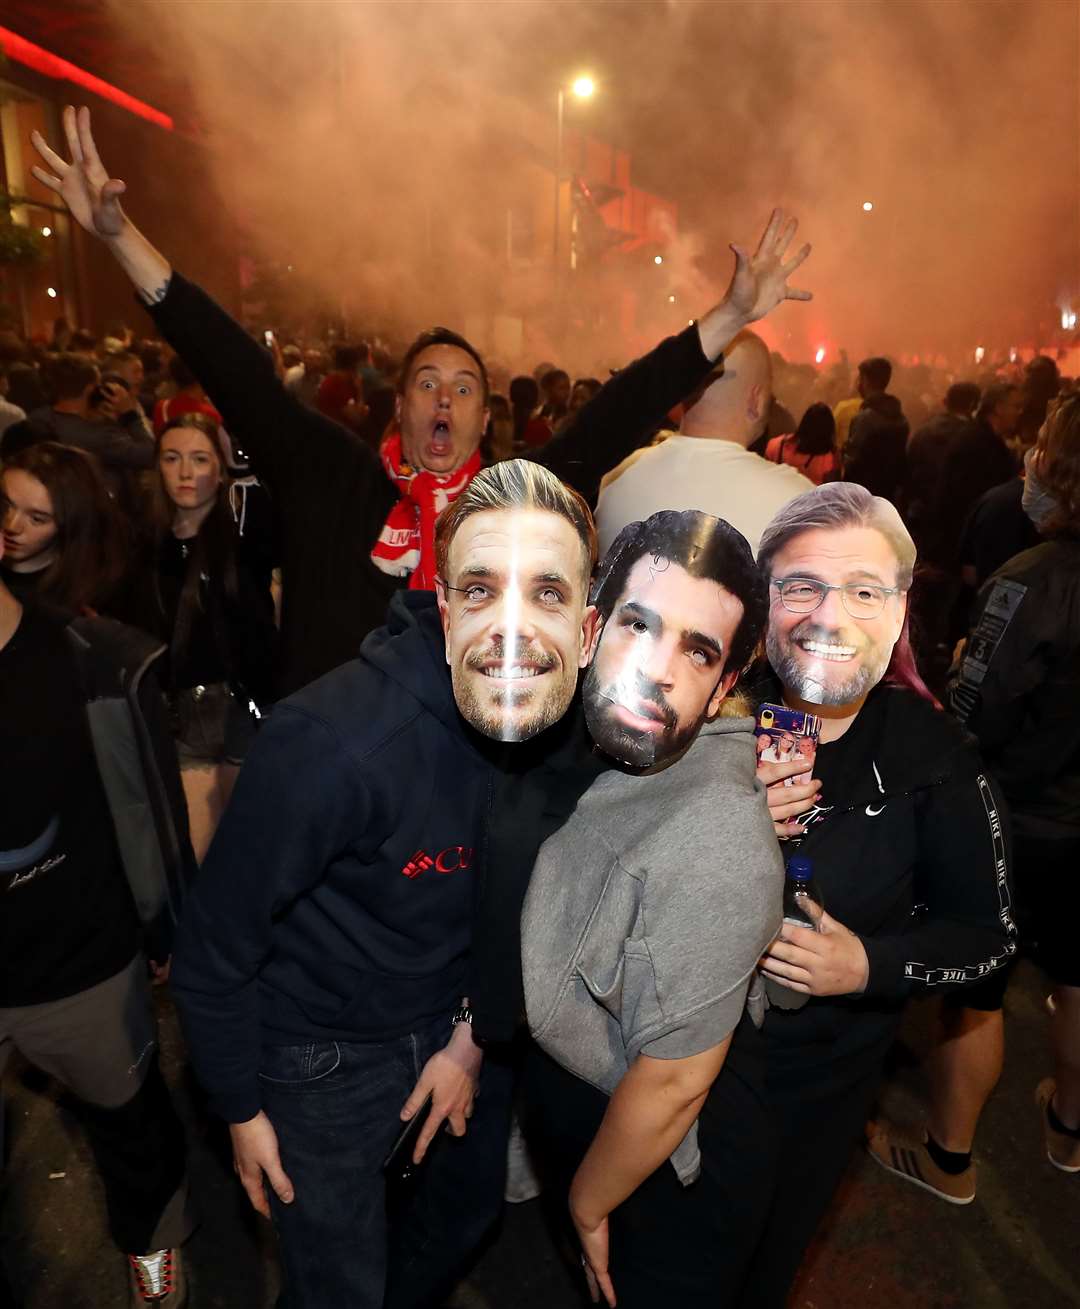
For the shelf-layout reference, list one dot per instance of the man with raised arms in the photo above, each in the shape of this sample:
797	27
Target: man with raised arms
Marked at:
357	526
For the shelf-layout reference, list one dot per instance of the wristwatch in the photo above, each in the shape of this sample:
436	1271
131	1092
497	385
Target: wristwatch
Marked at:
462	1014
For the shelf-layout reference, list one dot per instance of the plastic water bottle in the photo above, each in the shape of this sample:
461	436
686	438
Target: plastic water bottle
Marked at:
800	891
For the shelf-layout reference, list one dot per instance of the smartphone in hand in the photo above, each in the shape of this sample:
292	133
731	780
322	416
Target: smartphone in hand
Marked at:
785	735
398	1164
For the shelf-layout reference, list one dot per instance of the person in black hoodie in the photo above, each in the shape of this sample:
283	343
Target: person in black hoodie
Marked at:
357	527
977	460
875	455
1017	687
322	967
905	831
926	454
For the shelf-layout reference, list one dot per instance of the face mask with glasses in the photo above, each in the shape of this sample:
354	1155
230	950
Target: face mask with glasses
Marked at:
802	595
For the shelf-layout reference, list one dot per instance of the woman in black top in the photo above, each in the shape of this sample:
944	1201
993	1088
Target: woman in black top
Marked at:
206	594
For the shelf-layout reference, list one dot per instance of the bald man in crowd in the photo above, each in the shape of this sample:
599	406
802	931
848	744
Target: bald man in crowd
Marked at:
707	465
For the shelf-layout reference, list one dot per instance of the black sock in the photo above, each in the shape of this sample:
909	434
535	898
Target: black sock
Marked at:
952	1162
1058	1126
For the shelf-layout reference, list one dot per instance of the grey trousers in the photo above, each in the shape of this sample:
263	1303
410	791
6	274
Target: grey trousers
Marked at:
101	1045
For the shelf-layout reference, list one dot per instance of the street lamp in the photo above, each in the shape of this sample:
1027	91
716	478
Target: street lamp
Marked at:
581	88
868	206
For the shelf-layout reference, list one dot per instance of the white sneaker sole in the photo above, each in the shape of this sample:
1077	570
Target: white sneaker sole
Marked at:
915	1181
1063	1168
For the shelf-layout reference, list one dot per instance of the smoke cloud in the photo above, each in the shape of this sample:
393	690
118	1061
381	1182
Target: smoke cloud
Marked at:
378	147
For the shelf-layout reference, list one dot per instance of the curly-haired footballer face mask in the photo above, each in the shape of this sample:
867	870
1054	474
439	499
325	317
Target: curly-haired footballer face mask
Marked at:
514	613
660	665
835	613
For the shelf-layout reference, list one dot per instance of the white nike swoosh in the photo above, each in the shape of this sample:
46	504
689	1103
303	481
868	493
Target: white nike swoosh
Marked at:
873	813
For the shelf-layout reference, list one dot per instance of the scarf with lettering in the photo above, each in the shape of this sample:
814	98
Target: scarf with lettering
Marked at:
406	544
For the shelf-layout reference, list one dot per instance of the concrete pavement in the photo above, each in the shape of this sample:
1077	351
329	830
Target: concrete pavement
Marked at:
885	1244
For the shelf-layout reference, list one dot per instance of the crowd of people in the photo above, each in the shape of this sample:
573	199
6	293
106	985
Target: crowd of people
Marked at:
404	728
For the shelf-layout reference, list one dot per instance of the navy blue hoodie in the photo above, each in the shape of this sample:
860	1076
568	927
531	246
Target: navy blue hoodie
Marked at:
336	900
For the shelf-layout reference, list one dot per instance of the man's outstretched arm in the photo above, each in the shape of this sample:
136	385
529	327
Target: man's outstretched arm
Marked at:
629	407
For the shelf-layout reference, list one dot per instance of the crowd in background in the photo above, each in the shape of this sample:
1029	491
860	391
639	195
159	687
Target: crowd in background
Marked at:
249	536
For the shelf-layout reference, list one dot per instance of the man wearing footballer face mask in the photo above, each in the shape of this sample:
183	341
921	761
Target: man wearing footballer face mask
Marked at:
654	891
674	637
325	972
900	811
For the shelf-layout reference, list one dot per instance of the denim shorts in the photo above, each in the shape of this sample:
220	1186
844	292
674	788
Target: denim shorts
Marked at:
211	725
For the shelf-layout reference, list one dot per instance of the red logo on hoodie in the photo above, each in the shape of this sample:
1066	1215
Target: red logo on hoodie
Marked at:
455	858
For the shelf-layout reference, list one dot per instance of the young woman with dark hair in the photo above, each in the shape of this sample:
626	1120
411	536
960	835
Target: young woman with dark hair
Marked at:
64	541
206	593
811	448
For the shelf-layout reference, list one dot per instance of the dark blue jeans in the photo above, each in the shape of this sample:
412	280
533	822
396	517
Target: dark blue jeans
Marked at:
335	1107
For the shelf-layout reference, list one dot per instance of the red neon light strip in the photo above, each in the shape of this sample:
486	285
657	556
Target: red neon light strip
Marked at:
41	61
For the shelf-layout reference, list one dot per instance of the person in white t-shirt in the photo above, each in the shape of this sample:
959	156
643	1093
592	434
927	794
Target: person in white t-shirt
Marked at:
706	465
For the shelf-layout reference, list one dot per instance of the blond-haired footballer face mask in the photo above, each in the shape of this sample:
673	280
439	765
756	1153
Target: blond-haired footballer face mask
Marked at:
516	619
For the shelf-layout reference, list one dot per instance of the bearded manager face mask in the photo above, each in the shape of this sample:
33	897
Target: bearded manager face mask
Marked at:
514	612
835	613
669	622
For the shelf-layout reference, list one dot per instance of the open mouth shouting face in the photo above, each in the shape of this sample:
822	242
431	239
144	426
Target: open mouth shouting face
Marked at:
514	612
834	613
441	411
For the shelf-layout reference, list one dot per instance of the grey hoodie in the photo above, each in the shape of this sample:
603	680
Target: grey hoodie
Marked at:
648	911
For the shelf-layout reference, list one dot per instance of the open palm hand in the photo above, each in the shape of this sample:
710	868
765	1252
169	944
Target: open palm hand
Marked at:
91	195
759	282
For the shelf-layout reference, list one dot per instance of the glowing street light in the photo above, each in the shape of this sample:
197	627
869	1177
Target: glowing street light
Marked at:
1068	319
582	87
51	292
658	259
868	206
980	354
46	231
671	299
819	358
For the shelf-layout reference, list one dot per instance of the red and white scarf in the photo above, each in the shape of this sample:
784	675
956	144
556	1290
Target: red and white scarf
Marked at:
406	544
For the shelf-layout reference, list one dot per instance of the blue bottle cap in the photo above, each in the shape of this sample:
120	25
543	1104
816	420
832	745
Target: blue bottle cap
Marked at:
800	868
